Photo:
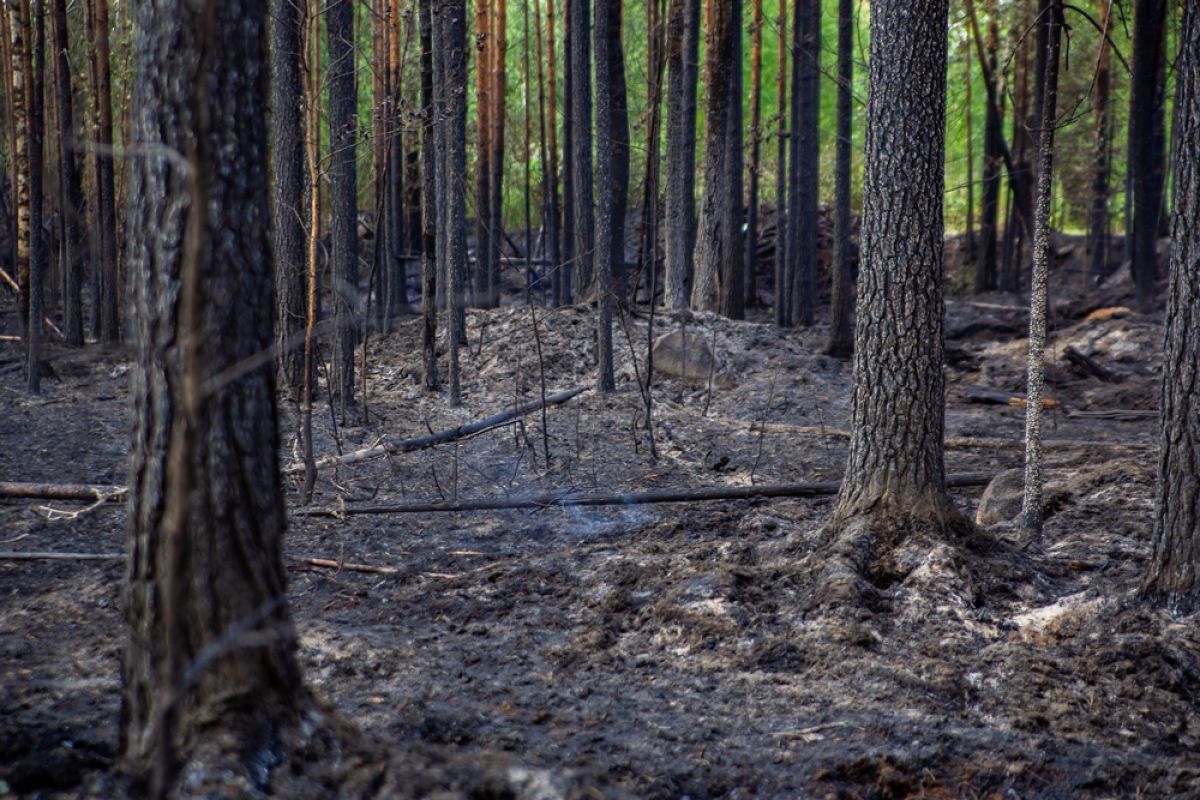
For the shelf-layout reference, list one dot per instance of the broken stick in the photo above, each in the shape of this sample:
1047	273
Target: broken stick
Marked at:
442	437
61	491
565	499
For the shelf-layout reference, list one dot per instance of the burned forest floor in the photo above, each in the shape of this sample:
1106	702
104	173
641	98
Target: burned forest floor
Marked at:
668	650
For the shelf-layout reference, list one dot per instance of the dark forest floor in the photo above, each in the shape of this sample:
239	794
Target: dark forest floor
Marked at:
672	650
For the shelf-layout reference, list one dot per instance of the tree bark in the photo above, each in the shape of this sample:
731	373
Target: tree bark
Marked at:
483	109
783	279
451	17
718	243
565	291
21	31
606	188
429	214
895	474
70	188
548	135
1031	509
583	210
1173	576
35	70
106	320
499	90
1149	32
683	25
805	159
1102	128
841	334
985	256
205	566
733	269
289	212
749	282
343	196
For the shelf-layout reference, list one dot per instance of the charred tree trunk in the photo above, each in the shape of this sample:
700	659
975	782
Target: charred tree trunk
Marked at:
343	195
683	26
429	214
803	245
496	118
451	17
1149	32
783	280
895	475
1173	577
605	186
718	241
1031	511
70	188
985	263
289	212
733	270
750	260
565	292
483	132
21	31
205	567
583	210
106	322
34	85
619	163
841	334
1102	127
548	135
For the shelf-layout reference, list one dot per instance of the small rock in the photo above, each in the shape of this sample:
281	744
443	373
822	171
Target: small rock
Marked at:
1001	501
685	356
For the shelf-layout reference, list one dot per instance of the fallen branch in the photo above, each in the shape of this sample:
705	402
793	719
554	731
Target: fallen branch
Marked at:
1000	397
1090	365
13	285
329	563
564	499
61	491
963	442
15	555
442	437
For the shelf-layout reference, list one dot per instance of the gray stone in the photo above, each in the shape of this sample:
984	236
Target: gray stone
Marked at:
685	356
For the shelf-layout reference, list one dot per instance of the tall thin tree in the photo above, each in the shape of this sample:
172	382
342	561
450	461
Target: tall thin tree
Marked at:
805	159
343	195
841	334
683	26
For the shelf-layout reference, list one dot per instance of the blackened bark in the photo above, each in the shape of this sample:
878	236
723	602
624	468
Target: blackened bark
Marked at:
717	238
451	16
565	289
106	322
895	471
499	89
343	195
683	25
37	243
1149	31
733	270
486	45
429	237
21	31
1031	511
207	512
1102	127
841	334
751	258
985	264
605	188
289	211
805	159
1173	576
620	149
782	262
70	187
583	210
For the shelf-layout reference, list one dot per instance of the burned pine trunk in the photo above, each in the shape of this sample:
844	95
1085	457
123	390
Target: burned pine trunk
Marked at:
70	187
429	210
289	210
343	179
683	25
106	320
580	101
607	12
1102	164
841	334
895	475
1173	576
1149	34
805	160
985	257
205	567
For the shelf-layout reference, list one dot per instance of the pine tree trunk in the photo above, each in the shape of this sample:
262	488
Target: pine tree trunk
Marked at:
750	259
70	188
716	237
1149	30
499	89
803	244
582	200
895	475
429	213
1031	510
548	137
207	512
483	131
841	334
106	322
343	194
985	263
1102	128
733	270
683	24
451	16
620	150
1173	575
605	186
289	213
21	31
783	272
34	85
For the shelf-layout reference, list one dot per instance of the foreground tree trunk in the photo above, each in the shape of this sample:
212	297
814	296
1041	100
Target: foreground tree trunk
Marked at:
106	321
429	213
205	567
580	102
805	160
1102	126
343	192
289	211
782	263
683	25
1031	510
34	85
1173	576
606	188
718	240
985	257
895	475
451	20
